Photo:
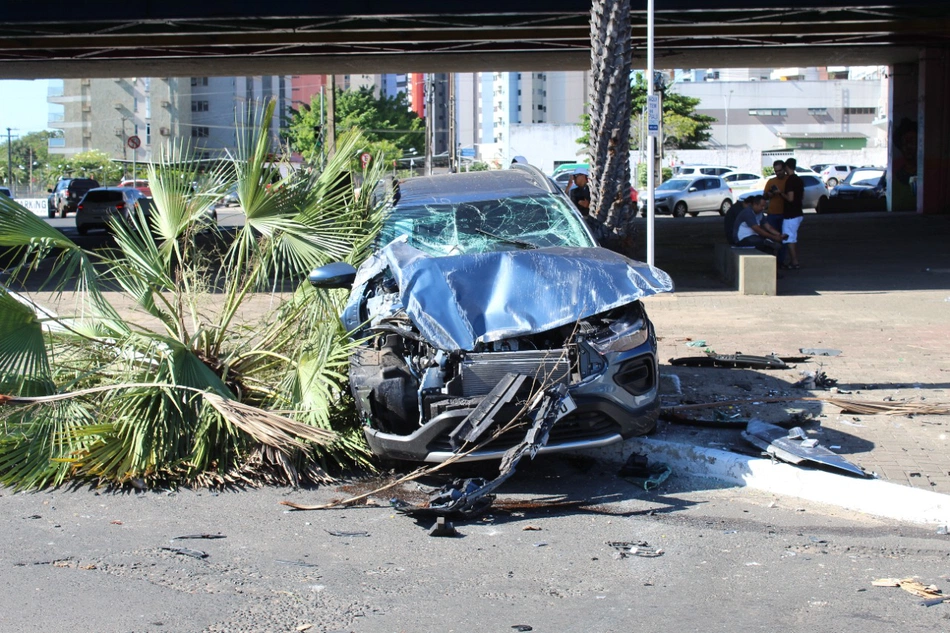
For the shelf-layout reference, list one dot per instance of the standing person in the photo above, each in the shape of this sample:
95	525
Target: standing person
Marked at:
580	193
792	217
774	192
749	229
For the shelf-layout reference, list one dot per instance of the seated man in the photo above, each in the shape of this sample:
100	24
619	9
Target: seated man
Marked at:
749	230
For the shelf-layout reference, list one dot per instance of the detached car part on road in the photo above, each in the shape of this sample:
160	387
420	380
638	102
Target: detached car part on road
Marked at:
488	288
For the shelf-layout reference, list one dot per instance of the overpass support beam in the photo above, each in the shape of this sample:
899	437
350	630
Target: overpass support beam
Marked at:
903	134
933	150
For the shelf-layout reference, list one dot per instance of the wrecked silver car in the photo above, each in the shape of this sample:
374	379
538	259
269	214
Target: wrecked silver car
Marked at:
486	289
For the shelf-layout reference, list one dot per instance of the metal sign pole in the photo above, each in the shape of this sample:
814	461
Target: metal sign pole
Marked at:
651	142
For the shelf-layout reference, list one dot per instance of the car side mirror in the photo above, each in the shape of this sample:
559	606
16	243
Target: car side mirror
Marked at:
692	189
335	275
49	191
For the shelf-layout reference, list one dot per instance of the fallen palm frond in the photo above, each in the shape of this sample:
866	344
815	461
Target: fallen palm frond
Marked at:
847	406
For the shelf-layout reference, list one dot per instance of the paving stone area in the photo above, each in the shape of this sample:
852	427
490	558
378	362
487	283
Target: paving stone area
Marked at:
875	286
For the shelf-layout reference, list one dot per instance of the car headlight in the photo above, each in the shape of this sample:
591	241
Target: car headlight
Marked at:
626	333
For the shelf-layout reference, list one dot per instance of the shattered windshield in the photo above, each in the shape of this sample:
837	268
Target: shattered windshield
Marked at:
455	228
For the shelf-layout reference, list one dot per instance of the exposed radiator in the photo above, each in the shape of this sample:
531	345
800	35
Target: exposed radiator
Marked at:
482	371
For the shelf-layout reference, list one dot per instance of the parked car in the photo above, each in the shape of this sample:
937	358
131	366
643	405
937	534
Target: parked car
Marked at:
100	205
862	182
819	167
681	195
231	197
66	195
141	185
451	340
815	192
743	180
833	174
5	191
697	170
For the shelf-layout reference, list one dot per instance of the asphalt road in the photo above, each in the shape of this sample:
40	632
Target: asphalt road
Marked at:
733	560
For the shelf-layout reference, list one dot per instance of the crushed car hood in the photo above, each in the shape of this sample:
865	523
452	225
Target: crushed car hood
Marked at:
459	301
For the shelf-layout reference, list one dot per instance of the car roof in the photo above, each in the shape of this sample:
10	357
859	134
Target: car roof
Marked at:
520	180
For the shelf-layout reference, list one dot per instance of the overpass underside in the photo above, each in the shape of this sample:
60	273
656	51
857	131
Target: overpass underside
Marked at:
64	38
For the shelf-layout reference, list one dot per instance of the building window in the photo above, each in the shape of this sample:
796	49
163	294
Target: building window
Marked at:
860	110
769	112
199	106
200	131
809	144
818	111
148	133
199	81
135	104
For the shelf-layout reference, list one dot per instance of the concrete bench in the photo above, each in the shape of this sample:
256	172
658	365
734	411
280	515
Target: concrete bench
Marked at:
750	271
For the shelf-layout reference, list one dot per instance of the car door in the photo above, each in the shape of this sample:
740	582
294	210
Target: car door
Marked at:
696	199
713	193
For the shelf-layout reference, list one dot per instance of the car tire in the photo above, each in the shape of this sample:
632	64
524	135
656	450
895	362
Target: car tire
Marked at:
679	210
820	205
82	230
831	182
693	214
62	212
51	213
725	206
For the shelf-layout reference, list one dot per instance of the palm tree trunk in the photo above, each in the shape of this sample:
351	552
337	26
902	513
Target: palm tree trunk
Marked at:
610	59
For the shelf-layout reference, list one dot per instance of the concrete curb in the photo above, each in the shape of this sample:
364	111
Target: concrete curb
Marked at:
871	496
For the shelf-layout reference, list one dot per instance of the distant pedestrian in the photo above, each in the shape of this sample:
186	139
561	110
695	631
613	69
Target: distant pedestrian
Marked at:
793	214
774	192
750	230
580	192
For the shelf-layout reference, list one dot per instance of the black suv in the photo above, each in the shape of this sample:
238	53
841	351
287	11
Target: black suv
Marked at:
66	195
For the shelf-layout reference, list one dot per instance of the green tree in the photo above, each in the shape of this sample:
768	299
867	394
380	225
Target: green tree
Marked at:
388	127
228	367
30	154
92	164
683	127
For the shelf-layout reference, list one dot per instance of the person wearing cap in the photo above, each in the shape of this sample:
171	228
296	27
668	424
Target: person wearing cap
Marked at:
580	192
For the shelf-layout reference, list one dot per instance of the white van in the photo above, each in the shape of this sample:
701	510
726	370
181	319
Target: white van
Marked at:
701	170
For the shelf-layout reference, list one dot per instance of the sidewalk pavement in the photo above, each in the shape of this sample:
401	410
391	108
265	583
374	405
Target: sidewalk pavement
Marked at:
875	286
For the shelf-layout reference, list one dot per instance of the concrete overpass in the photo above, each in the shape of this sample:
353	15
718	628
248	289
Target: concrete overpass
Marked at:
65	38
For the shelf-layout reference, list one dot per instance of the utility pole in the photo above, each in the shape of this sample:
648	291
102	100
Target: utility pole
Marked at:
323	129
453	145
430	124
10	182
330	127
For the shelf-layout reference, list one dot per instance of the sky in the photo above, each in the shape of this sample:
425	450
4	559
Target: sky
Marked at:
23	106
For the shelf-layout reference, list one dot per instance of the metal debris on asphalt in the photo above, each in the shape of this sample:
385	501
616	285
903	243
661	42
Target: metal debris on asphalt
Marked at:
444	528
184	551
199	536
295	563
819	351
643	549
931	594
816	380
336	533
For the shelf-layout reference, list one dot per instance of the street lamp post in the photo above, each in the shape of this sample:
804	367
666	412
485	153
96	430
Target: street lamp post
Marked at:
10	164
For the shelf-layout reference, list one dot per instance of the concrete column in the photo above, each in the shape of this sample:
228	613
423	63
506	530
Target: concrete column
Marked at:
902	132
933	140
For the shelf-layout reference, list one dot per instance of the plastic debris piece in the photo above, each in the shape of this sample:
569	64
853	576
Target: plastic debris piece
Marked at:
358	533
522	627
699	343
640	471
295	563
735	361
541	544
531	528
184	551
443	528
819	351
943	530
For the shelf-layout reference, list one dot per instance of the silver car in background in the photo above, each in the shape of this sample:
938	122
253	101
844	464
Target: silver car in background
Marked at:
679	196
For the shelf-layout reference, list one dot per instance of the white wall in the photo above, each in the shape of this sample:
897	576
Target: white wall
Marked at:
544	143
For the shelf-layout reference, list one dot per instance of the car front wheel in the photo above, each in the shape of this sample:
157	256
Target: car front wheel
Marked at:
725	206
832	182
679	210
62	212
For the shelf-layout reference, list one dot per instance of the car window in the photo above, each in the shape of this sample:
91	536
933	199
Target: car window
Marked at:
841	167
810	181
104	196
713	183
865	177
676	184
733	177
748	177
699	185
490	225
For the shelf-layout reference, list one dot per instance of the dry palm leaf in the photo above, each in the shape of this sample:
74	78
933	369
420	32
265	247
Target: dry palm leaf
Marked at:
847	406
